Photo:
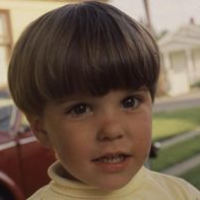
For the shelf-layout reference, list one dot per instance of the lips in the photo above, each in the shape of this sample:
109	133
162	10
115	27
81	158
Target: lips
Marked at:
113	163
112	158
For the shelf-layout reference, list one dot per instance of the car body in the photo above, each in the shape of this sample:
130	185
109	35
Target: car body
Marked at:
23	161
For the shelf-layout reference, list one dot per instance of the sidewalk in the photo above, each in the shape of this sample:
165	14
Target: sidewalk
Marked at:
180	138
194	93
165	104
184	166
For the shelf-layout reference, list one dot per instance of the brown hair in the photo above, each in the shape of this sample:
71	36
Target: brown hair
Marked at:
89	47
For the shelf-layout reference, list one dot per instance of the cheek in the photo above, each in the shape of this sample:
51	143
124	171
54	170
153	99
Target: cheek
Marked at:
144	141
58	137
141	126
141	132
69	140
145	130
65	151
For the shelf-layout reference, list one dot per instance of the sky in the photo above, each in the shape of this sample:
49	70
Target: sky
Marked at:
165	14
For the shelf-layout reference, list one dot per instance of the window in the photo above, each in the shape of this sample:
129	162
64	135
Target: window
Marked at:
5	45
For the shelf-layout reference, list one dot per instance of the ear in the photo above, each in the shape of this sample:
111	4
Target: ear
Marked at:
37	126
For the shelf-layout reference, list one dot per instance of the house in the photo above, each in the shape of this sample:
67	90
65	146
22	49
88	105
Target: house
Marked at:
180	59
15	15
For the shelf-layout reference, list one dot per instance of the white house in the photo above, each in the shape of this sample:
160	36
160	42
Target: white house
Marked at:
180	59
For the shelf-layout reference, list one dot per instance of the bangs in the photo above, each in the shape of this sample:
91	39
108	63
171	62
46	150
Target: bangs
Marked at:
88	48
97	55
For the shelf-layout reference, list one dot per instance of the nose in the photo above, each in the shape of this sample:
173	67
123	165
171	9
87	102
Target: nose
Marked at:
110	130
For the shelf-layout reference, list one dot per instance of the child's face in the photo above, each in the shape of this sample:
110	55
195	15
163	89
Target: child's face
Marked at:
101	141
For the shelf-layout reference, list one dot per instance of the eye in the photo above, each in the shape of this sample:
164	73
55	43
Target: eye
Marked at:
130	102
79	109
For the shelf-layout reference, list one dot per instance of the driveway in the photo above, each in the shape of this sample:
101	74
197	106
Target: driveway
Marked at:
189	100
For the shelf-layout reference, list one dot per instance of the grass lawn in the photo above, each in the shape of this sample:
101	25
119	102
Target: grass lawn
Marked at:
168	124
193	176
176	153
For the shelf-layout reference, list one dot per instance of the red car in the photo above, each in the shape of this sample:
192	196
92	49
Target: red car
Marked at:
23	161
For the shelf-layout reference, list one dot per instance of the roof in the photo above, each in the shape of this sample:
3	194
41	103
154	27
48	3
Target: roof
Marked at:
185	37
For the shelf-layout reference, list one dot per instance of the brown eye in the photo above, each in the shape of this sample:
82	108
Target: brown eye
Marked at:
130	102
79	109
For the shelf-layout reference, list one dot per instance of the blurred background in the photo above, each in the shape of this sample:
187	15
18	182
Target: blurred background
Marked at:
175	24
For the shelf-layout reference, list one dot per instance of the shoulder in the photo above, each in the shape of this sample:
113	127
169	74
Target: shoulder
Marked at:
173	185
40	194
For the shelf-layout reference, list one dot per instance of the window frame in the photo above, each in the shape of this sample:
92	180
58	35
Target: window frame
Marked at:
8	41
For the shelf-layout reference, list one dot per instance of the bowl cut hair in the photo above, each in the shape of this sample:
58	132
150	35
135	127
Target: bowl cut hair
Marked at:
88	47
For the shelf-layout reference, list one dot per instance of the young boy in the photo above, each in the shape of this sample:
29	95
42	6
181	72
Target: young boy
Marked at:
85	76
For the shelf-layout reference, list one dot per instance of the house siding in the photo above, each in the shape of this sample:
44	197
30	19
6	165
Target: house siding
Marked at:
20	14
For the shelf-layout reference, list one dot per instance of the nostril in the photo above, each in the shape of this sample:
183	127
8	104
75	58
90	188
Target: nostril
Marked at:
109	137
120	136
110	129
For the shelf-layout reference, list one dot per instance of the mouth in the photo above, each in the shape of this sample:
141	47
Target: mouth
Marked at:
112	158
113	163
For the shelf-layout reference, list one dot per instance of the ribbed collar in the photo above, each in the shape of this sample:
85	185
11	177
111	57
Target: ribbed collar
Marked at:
66	187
